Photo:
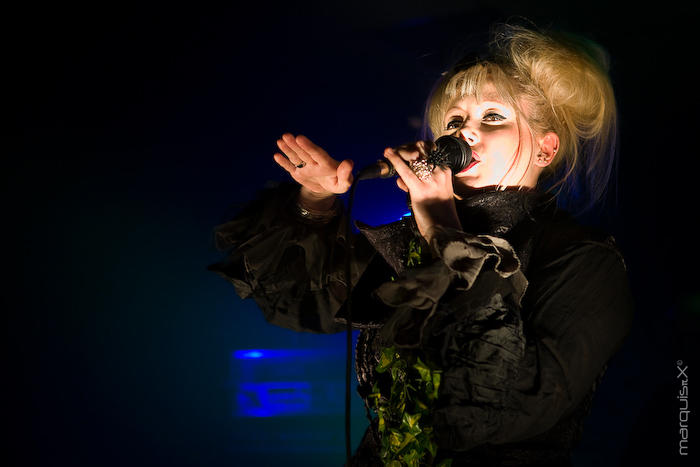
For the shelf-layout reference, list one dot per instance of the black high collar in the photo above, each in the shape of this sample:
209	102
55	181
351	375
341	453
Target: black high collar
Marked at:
496	212
483	211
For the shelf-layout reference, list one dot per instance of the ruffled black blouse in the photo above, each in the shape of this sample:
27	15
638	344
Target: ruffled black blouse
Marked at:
522	309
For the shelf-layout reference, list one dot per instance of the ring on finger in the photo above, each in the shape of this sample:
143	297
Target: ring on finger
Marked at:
300	165
421	168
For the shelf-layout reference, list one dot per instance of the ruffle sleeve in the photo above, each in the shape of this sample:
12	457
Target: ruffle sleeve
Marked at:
462	259
293	269
506	379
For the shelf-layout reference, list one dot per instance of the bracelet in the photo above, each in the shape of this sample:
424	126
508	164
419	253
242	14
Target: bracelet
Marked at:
318	217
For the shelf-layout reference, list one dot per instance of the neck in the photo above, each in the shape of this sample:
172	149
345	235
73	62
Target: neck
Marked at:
464	191
489	210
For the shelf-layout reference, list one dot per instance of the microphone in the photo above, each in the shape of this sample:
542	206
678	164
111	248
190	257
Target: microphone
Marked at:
449	151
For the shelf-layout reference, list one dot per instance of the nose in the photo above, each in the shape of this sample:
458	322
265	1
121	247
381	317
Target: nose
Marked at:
469	135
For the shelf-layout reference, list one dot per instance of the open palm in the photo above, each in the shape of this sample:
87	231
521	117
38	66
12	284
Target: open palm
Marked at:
311	166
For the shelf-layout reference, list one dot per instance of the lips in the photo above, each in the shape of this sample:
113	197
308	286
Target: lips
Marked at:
475	160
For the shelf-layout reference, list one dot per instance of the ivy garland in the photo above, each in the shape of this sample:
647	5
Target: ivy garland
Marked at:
406	440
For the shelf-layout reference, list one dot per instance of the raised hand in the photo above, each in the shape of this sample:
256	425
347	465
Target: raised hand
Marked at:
432	196
312	167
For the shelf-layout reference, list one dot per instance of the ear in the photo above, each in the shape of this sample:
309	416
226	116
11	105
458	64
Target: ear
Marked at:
549	145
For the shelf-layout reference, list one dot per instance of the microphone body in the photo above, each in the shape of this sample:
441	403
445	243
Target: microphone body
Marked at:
449	151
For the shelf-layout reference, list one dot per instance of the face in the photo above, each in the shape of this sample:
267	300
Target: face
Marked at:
501	146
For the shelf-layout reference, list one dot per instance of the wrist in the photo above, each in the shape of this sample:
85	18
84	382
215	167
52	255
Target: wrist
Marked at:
315	201
441	215
314	208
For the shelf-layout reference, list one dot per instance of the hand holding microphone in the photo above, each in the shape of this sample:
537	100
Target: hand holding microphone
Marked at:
448	151
428	179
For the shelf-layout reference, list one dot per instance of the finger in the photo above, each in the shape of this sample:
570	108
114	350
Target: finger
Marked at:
345	174
442	173
284	163
402	169
402	185
425	147
291	142
289	152
408	152
317	153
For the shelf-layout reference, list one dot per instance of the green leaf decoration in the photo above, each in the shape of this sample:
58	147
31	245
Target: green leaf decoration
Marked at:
388	357
423	370
406	440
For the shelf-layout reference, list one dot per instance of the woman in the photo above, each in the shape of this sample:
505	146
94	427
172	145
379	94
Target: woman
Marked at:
488	317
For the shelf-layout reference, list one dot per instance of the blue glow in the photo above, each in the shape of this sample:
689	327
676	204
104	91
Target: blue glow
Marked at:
249	354
408	214
283	382
274	398
271	353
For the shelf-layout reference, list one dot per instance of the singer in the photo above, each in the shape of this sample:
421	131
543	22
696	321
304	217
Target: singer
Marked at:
488	317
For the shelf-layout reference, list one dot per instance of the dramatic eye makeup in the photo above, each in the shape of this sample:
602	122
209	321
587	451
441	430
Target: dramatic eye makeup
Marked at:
493	117
454	122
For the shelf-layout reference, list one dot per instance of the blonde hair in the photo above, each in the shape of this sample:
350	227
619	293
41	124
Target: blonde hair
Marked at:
560	84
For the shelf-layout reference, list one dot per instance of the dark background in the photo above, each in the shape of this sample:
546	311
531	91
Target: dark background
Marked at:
134	130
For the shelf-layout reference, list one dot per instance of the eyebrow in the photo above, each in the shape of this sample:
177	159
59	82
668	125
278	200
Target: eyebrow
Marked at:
482	104
485	104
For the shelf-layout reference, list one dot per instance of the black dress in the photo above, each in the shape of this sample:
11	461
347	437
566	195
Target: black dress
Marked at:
522	310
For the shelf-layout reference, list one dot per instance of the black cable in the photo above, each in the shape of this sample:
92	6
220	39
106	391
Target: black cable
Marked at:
348	305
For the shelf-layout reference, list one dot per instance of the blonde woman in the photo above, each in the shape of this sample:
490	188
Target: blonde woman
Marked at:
509	306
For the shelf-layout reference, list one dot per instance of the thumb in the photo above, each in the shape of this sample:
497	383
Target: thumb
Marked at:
344	173
401	185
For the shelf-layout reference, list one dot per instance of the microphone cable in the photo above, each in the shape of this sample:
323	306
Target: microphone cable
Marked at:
348	305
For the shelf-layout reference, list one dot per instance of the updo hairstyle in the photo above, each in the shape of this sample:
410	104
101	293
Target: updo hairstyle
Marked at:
556	83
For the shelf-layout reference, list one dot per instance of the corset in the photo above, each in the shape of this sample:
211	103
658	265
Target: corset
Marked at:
514	215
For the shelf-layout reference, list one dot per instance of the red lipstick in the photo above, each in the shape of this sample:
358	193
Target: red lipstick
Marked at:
475	160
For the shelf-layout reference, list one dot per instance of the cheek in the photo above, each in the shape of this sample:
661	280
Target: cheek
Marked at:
504	148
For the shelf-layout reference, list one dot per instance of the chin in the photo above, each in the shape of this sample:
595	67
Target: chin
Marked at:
465	184
468	180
